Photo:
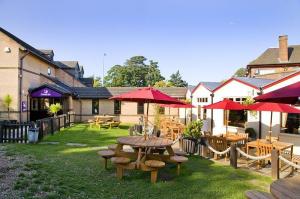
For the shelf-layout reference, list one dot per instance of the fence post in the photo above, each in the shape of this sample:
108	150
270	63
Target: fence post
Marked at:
69	116
275	164
233	156
65	118
58	123
52	126
1	134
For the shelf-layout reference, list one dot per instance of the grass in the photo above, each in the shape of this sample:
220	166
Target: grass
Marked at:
60	171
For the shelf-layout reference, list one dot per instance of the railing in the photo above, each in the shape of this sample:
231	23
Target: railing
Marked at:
48	126
14	133
235	152
18	133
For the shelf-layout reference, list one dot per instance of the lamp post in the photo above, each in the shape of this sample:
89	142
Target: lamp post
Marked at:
104	54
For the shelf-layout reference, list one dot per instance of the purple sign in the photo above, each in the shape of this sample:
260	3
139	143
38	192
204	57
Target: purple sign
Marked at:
45	92
24	106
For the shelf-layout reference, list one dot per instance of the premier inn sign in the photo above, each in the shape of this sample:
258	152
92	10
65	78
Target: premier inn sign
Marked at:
45	92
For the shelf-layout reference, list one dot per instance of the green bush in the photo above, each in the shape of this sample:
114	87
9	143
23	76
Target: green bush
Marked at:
193	129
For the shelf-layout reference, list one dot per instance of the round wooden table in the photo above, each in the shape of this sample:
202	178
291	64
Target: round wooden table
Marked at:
287	188
141	143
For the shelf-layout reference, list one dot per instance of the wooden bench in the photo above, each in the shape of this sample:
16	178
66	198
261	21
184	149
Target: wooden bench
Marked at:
106	154
120	163
179	152
253	194
154	165
296	159
112	147
178	160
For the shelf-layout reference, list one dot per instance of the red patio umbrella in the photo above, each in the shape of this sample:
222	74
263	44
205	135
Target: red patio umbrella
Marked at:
147	95
226	105
287	95
272	107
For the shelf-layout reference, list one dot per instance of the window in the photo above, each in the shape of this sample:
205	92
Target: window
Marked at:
162	110
49	71
199	112
290	123
95	106
204	114
202	99
140	108
238	99
34	104
236	118
117	107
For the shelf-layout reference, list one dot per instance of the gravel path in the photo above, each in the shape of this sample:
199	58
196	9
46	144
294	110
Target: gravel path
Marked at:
10	168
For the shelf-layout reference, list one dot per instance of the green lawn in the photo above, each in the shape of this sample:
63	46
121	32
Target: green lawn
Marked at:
60	171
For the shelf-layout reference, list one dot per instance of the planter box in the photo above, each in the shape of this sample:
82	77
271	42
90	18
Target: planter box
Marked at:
190	145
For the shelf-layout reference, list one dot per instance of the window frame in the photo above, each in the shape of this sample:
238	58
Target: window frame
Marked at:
95	107
140	108
116	104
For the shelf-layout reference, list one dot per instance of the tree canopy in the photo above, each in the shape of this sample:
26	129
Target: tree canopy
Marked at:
163	83
135	72
241	72
97	82
176	80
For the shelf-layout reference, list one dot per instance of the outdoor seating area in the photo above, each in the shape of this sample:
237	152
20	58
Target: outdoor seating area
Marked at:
171	128
101	121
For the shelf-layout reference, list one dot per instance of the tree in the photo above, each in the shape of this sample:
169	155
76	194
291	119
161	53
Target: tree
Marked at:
7	101
241	72
54	108
163	83
177	81
97	82
135	72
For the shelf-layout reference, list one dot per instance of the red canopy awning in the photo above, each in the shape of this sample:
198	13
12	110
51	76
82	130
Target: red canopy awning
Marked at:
287	95
226	104
177	105
274	107
147	95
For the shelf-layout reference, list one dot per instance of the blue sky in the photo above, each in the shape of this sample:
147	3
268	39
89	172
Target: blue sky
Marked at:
204	40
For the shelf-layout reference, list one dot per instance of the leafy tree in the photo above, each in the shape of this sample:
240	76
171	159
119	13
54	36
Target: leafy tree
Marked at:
177	80
135	72
241	72
7	101
54	108
163	83
97	82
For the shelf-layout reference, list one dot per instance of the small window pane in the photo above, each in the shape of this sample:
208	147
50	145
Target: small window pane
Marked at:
95	106
140	108
117	107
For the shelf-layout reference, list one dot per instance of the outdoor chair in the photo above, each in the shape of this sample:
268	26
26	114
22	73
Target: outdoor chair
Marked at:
296	159
262	150
242	144
106	154
178	160
154	166
273	138
121	163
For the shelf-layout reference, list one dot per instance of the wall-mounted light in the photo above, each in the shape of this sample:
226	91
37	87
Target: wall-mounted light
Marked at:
7	49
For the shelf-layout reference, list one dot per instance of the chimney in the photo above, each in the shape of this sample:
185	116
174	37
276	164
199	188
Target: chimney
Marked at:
283	48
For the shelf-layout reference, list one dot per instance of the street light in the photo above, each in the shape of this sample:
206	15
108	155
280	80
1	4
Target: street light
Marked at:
104	54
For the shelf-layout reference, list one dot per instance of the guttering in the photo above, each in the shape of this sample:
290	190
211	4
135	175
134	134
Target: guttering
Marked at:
21	82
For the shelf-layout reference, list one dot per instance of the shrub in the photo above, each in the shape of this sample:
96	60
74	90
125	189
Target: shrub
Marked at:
54	108
193	129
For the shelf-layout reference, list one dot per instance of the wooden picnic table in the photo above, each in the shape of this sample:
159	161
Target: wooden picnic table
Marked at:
104	118
234	138
280	146
287	188
144	145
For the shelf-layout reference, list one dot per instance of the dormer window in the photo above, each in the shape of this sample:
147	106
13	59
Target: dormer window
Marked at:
49	71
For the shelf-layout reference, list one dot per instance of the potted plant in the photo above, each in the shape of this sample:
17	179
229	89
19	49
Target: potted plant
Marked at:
191	136
7	100
54	108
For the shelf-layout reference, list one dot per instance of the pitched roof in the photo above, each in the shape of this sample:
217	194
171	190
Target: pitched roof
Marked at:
271	56
257	82
107	92
30	48
53	87
71	64
58	82
208	85
88	81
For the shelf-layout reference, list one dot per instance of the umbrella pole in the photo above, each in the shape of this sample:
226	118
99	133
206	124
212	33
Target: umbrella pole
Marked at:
270	128
185	116
226	122
146	121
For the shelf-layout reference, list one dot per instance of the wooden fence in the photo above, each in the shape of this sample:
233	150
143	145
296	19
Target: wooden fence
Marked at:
17	133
